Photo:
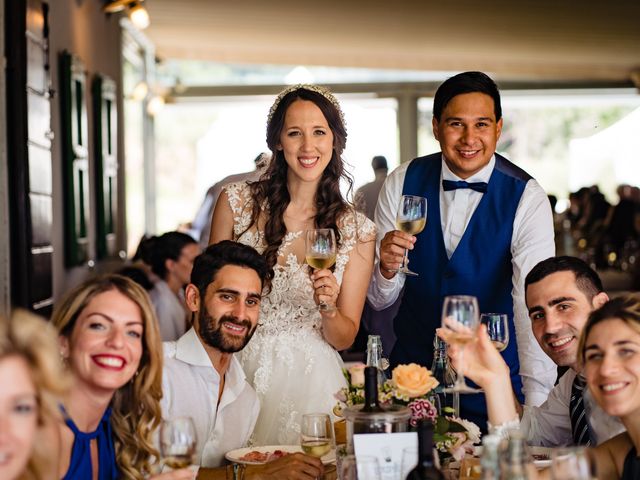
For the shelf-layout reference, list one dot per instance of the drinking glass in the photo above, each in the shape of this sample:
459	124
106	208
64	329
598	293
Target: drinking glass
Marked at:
409	460
178	442
320	252
364	467
460	316
316	434
497	328
411	219
570	463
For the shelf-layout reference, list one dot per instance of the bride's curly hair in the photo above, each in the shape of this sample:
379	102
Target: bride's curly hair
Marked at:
271	194
135	406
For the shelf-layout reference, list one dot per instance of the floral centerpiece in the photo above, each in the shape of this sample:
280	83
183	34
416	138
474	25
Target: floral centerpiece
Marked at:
413	386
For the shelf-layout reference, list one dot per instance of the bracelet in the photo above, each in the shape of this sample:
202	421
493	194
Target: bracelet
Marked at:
503	430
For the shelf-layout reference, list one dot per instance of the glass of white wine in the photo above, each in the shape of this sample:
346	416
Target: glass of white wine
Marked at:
497	328
178	442
316	434
570	463
411	219
460	316
320	252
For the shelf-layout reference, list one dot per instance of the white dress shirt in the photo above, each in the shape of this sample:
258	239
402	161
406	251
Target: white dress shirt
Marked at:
190	387
532	241
549	425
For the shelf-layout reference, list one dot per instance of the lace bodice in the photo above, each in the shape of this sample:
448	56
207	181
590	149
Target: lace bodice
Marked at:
290	306
292	367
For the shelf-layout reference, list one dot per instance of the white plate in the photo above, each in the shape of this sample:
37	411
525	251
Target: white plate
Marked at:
236	455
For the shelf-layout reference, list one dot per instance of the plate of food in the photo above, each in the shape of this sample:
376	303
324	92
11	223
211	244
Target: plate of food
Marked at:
269	453
541	456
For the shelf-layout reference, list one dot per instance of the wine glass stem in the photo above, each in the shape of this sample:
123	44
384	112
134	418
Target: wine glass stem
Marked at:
405	260
460	383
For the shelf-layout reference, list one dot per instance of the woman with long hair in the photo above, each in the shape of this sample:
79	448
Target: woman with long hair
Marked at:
110	342
32	382
610	353
292	360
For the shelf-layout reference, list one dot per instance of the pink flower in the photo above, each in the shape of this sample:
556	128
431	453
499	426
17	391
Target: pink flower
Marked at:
421	408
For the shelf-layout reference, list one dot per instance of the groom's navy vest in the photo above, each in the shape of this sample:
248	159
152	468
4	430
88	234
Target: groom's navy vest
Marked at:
480	266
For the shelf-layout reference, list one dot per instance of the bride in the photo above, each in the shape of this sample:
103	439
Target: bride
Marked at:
292	360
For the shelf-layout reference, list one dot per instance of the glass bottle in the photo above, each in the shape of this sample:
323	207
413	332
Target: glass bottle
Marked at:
425	469
443	372
374	357
513	464
371	401
490	460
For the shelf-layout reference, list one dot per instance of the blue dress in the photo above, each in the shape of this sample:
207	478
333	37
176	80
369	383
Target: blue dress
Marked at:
80	463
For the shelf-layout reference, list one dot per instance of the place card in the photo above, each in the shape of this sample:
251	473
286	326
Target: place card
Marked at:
387	448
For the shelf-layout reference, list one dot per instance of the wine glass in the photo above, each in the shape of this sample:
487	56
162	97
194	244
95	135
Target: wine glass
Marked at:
409	460
497	328
178	441
570	463
411	219
460	316
320	252
363	467
316	434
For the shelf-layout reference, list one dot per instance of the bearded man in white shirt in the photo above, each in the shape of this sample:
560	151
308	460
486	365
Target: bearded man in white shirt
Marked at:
202	378
488	223
561	292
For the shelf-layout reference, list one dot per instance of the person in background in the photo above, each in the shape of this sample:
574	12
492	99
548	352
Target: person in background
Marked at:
170	257
488	223
292	360
32	382
374	322
202	376
110	342
561	293
201	225
366	196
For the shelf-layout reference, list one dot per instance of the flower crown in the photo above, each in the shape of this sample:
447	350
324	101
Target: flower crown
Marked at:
312	88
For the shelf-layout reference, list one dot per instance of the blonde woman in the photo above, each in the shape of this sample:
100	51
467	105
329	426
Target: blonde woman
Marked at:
32	381
110	342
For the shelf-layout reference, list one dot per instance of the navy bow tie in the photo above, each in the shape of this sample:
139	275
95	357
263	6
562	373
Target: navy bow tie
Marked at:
448	185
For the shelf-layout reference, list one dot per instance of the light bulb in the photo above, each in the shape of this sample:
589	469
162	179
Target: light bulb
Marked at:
139	16
139	91
155	104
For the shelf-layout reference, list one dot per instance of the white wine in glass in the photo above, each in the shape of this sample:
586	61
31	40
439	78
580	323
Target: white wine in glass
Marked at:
320	252
316	434
460	316
411	219
178	442
497	328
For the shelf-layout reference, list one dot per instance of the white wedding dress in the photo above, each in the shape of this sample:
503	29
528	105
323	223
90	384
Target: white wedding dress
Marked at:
289	363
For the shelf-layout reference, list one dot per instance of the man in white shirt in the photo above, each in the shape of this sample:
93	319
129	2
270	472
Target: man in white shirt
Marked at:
561	292
202	378
488	223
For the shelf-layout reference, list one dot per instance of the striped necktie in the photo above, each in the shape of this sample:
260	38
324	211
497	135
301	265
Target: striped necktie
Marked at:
579	422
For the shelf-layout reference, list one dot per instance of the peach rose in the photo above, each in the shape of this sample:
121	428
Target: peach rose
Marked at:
413	380
356	374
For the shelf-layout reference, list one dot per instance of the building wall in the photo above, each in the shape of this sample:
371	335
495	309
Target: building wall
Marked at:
80	27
